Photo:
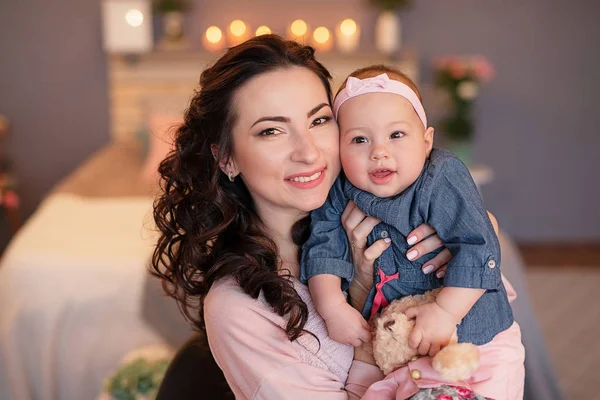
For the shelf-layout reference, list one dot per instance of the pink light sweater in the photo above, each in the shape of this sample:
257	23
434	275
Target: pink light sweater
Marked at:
249	344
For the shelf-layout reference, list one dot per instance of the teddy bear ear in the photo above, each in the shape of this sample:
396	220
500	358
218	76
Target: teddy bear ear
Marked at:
388	324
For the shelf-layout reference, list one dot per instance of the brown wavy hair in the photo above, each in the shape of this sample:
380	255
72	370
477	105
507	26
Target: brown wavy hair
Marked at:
209	226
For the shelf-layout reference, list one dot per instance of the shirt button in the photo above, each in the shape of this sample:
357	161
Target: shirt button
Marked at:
415	374
492	264
384	234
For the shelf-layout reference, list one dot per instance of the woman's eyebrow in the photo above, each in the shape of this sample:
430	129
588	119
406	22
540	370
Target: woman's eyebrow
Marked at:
316	109
276	119
286	119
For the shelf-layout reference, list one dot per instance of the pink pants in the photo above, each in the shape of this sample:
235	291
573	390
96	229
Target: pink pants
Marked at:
500	375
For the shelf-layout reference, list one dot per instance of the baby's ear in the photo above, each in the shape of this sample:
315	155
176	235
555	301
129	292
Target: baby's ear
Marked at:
428	136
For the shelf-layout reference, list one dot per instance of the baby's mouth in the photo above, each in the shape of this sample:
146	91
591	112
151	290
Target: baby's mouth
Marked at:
381	173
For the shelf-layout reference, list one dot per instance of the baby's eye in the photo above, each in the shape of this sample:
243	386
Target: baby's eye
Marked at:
359	140
320	121
269	132
397	135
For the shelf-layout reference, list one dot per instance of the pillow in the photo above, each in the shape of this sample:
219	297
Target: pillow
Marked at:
163	114
160	142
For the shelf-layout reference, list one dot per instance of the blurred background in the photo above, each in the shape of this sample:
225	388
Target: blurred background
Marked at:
88	89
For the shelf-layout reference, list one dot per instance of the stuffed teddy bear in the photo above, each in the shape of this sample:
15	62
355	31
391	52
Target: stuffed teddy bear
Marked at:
392	328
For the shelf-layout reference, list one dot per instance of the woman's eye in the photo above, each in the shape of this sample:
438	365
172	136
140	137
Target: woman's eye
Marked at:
269	132
397	135
320	121
359	140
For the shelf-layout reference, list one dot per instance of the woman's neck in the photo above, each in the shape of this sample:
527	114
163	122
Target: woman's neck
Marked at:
279	227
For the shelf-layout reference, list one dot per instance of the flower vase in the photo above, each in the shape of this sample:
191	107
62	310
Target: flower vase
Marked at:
463	149
388	33
172	26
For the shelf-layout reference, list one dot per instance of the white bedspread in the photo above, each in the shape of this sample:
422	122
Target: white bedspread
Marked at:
70	288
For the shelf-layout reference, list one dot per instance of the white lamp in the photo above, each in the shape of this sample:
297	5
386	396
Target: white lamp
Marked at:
127	26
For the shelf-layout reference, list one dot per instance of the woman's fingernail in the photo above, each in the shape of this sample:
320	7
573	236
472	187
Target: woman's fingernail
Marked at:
412	254
412	240
428	269
387	240
440	274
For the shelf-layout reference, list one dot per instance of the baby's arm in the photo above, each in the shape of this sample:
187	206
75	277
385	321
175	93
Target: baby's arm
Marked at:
327	267
458	301
451	204
344	323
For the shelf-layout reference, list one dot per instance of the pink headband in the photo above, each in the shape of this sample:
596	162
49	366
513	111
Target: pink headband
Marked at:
379	84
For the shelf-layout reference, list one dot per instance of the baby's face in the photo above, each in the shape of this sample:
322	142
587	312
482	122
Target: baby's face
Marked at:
383	143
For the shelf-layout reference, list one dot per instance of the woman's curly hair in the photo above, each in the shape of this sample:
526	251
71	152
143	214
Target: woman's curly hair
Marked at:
209	226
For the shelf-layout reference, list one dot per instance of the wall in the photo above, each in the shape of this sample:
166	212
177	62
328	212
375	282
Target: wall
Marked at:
536	124
535	120
53	88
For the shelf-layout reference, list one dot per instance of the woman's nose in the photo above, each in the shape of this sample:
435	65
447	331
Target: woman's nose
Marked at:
379	153
305	148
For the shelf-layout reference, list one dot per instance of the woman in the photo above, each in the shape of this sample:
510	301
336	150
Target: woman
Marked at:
257	152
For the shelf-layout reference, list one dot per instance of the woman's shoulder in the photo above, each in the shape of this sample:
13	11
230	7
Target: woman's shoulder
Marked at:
226	302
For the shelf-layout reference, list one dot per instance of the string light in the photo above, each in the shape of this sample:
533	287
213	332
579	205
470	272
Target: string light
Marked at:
134	17
348	27
237	27
321	35
263	30
214	34
299	27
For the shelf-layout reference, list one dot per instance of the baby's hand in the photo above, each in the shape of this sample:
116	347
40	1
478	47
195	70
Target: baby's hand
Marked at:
346	325
433	329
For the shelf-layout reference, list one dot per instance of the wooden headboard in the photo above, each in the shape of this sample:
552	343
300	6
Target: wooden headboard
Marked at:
164	81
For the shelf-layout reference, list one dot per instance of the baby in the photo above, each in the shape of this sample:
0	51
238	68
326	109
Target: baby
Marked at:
393	173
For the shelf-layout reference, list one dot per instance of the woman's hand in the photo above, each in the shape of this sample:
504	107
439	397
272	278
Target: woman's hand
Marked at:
425	240
364	355
358	226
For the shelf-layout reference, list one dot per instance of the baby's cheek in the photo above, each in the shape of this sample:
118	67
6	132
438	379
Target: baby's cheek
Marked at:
354	167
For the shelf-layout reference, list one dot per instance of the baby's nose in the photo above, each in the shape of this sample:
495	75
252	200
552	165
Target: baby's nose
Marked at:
379	153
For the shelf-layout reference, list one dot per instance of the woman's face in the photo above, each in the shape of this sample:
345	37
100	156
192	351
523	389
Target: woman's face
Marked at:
285	140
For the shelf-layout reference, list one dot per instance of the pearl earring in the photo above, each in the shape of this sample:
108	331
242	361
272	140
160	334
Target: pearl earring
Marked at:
230	176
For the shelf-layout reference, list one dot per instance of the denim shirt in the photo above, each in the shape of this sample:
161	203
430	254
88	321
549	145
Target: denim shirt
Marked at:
443	196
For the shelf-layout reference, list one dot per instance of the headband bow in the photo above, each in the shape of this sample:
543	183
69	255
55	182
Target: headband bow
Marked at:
355	85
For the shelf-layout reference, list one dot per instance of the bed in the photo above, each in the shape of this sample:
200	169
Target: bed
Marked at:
71	281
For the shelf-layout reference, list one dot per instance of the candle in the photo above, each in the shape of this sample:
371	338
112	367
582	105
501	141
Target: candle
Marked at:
298	31
237	33
321	39
263	30
212	40
347	35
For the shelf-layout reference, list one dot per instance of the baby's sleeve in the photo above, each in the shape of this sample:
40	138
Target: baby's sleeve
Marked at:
327	250
451	204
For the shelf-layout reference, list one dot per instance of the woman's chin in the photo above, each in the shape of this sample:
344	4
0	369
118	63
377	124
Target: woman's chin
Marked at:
310	206
311	203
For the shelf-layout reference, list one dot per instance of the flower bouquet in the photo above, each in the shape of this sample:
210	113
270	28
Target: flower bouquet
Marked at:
459	79
139	375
